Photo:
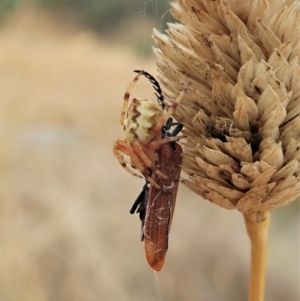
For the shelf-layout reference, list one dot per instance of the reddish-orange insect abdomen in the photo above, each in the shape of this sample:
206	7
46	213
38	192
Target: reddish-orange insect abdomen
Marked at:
161	205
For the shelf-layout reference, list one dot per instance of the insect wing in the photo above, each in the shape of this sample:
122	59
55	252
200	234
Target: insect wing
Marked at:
161	205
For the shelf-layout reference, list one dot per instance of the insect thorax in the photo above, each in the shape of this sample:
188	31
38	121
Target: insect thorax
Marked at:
141	117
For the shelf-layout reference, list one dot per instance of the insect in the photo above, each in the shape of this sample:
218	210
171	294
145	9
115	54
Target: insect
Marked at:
156	206
142	121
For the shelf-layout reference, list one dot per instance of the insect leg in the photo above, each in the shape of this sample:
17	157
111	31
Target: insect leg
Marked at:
140	206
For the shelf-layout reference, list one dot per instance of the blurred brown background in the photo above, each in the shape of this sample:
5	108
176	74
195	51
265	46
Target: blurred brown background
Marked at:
66	232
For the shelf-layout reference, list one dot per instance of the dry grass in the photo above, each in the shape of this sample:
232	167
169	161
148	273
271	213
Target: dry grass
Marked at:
66	233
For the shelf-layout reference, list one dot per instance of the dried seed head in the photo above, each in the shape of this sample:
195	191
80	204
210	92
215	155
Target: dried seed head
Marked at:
242	111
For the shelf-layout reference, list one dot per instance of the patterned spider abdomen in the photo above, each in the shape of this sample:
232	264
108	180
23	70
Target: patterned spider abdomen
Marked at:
141	117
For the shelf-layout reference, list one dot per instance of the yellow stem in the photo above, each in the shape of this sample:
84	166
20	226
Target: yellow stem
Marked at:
257	225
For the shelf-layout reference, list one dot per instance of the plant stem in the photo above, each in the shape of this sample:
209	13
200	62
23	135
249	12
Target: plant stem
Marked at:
257	225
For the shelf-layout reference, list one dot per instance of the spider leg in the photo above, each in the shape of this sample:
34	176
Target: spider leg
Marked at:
126	97
172	108
138	163
118	149
156	86
123	147
150	153
157	143
150	164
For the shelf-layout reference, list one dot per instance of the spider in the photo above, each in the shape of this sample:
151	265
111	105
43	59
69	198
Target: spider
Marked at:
143	122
